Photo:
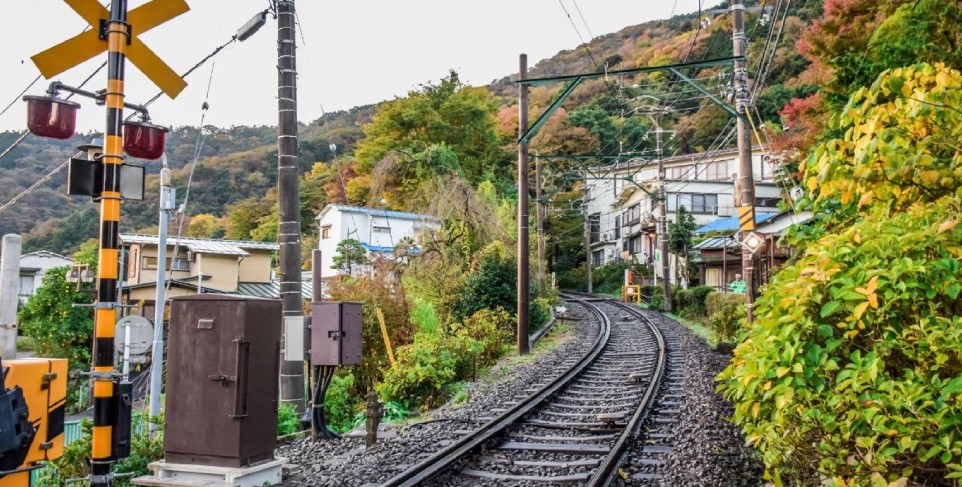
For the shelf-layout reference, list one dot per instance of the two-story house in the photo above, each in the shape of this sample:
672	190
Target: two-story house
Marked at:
200	265
622	212
378	231
33	266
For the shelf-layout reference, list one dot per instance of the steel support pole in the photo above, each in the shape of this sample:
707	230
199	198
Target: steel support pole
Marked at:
747	180
9	294
540	209
288	199
160	297
105	309
523	283
663	219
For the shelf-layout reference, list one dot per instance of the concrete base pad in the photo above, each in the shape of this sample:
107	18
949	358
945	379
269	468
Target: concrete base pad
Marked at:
185	475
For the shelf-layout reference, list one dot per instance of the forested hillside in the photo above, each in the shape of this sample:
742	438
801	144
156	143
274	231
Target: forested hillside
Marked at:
233	186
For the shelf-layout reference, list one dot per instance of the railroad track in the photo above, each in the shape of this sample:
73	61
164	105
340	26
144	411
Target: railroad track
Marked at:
576	428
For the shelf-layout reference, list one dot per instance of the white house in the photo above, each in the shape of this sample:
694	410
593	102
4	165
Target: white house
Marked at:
622	215
34	266
378	230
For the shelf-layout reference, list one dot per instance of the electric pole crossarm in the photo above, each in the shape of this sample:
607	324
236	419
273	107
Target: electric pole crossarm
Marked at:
711	96
530	132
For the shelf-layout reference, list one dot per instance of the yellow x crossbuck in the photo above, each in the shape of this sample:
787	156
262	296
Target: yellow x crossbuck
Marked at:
82	47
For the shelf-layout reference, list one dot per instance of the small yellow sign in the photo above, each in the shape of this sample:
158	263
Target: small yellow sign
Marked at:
746	217
82	47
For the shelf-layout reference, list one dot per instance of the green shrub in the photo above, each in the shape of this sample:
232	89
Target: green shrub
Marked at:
424	316
681	301
493	283
852	370
341	403
657	299
73	463
725	313
699	295
647	292
421	371
288	421
540	313
488	330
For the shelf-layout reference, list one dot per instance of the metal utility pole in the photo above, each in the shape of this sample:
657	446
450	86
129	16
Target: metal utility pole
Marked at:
662	217
105	309
9	291
523	210
288	199
167	205
539	209
747	180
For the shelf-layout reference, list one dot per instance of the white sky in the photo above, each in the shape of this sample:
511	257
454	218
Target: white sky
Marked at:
357	52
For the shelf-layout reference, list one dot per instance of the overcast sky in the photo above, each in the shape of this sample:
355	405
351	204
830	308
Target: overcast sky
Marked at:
356	52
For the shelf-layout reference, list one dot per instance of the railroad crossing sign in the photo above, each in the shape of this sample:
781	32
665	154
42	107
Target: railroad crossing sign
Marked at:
753	241
82	47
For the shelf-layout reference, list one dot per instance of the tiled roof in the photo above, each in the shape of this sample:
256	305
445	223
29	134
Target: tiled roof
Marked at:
402	215
202	245
269	289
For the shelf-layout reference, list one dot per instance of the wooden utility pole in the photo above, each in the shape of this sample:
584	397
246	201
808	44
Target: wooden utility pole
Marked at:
288	200
523	283
663	218
539	210
746	198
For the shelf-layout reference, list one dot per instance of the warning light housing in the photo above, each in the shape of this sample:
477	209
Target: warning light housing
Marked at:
48	116
144	140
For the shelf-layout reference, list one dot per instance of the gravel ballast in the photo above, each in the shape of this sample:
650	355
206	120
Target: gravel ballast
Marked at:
707	449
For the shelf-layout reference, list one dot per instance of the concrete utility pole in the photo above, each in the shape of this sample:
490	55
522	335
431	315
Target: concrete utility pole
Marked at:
662	216
9	291
523	210
167	205
588	260
539	209
747	180
288	199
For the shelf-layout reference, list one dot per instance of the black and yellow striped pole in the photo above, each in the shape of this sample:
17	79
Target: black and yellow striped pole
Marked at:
105	313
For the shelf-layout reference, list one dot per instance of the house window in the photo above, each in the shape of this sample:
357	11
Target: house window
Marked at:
150	263
597	257
326	232
617	228
382	229
594	227
679	172
717	171
694	203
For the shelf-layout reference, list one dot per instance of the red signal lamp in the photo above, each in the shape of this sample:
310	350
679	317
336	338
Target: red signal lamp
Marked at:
144	140
49	116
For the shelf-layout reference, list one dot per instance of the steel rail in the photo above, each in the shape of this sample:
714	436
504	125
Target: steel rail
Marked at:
443	458
604	472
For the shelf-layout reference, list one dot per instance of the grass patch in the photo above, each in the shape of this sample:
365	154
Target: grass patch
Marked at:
699	329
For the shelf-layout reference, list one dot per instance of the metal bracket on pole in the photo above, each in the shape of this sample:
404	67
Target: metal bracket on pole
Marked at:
711	96
528	134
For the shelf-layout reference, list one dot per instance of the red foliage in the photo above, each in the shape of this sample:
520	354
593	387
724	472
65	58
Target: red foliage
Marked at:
804	118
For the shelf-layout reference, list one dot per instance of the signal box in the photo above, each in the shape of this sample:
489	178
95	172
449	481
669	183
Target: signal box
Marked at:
222	379
336	333
44	384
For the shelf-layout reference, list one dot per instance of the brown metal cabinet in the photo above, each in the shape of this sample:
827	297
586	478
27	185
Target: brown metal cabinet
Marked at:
336	333
222	380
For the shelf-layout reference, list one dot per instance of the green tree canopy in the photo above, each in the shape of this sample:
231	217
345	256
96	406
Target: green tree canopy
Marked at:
59	329
350	254
459	116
